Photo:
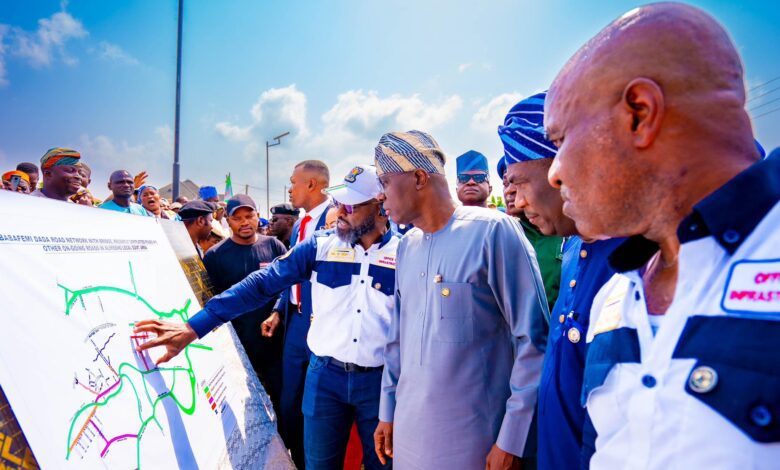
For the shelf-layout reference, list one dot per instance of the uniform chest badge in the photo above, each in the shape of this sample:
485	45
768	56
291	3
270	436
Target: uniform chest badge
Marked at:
611	312
753	286
341	255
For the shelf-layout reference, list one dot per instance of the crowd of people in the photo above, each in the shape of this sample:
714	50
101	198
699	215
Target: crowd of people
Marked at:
622	310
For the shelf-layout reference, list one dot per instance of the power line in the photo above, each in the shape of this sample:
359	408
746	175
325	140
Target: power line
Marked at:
765	83
763	104
771	111
762	94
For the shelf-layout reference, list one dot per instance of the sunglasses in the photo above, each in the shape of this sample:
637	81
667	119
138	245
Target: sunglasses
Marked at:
350	208
478	178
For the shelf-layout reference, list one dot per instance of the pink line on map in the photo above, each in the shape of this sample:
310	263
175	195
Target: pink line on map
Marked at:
107	390
123	436
98	430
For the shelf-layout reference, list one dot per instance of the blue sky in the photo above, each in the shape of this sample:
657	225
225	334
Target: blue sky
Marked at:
99	76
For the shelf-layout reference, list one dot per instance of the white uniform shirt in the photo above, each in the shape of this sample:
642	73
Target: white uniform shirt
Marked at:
352	300
704	392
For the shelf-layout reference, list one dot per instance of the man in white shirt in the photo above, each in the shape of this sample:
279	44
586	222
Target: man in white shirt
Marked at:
352	272
655	144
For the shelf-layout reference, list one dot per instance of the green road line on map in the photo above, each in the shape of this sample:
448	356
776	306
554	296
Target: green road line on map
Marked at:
71	297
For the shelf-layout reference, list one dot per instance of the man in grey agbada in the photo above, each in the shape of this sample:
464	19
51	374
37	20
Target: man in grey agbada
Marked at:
463	358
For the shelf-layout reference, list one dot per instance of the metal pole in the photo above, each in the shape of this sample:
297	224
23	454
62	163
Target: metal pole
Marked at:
284	194
267	179
268	145
175	183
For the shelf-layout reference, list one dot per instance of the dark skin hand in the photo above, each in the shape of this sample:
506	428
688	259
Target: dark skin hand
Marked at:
174	336
497	459
383	441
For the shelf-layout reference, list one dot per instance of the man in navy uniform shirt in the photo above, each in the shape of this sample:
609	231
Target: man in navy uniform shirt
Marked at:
654	143
528	155
352	272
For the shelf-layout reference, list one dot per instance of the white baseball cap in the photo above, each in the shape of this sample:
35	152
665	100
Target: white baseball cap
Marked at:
360	185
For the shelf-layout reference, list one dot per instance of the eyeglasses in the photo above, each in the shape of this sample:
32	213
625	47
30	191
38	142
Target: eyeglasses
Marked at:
350	208
478	178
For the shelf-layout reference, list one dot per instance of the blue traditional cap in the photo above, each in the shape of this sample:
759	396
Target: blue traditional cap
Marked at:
207	192
523	132
262	222
471	161
501	168
399	152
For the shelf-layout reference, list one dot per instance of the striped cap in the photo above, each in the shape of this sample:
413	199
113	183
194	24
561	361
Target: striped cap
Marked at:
59	156
523	132
10	174
399	152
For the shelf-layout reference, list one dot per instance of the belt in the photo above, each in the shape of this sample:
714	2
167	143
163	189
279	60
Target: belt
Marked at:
350	367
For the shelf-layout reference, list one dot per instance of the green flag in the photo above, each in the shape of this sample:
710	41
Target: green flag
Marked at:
228	186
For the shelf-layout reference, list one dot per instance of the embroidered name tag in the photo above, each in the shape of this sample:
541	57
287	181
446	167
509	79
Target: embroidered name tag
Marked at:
753	286
341	255
388	261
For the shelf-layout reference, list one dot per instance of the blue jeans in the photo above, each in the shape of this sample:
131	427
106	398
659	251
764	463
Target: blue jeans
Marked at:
332	400
295	360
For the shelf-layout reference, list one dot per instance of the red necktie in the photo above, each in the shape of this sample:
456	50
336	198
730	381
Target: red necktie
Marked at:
301	234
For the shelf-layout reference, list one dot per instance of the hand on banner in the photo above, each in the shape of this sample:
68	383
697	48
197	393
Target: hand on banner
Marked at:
174	336
498	459
140	179
383	441
269	326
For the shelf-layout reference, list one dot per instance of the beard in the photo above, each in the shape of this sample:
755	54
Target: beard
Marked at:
353	234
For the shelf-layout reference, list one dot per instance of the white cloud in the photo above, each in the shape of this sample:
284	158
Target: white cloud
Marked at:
39	47
105	154
491	115
463	67
366	114
276	111
112	52
3	33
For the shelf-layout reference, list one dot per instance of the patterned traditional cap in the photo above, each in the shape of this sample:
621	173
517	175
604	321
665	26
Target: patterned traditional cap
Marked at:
523	132
59	156
399	152
501	168
10	174
471	161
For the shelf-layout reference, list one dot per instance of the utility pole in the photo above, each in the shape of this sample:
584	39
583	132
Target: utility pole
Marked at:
268	145
175	183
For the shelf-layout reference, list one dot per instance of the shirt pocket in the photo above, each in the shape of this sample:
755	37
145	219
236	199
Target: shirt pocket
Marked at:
382	279
453	322
334	274
737	371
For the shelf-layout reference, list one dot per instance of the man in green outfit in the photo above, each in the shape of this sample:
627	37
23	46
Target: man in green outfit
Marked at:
547	247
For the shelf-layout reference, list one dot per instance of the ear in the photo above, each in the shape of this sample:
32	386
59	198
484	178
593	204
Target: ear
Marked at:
643	103
421	179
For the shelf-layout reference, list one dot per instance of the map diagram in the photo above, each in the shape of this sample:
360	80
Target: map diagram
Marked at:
125	396
75	393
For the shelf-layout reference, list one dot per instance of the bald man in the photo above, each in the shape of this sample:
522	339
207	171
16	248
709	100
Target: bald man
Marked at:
654	143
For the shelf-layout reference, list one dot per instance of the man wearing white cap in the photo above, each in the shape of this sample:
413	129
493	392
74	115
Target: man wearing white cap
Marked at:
352	271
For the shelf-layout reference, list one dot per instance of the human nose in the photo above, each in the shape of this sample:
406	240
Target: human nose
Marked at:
553	176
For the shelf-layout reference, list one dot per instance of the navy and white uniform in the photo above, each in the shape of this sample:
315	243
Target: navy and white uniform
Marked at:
352	292
698	387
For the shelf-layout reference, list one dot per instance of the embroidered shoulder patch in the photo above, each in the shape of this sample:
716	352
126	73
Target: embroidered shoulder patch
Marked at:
753	287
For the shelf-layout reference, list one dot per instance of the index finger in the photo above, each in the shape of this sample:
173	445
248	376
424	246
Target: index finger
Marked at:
158	341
